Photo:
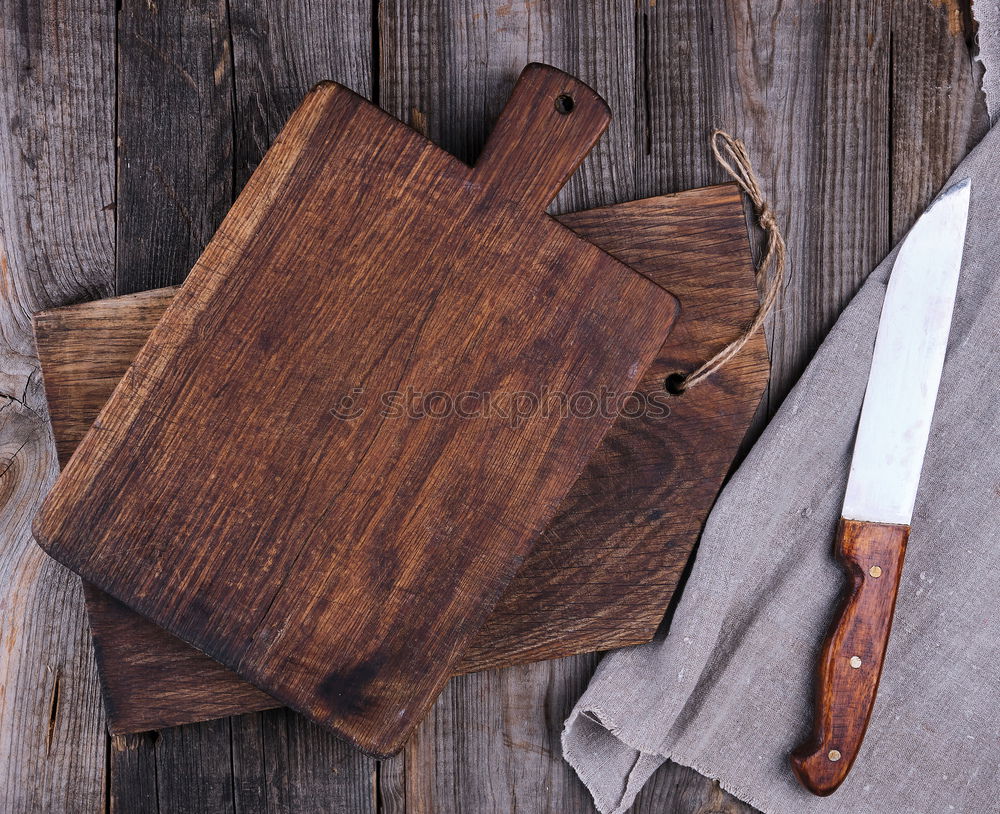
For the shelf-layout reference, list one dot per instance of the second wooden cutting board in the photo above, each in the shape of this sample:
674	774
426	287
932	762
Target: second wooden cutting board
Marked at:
341	562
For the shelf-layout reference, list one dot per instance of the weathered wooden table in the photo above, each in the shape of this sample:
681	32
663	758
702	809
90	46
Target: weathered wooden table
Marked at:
126	132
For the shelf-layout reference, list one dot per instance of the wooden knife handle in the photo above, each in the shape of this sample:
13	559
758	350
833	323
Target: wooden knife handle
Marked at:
851	662
549	124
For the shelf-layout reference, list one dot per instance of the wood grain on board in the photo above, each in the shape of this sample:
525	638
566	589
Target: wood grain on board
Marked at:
672	71
603	572
261	484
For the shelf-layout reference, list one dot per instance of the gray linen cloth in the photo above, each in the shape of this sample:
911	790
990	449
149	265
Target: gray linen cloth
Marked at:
728	691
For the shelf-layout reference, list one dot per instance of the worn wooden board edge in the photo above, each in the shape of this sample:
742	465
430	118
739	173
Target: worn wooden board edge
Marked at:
202	688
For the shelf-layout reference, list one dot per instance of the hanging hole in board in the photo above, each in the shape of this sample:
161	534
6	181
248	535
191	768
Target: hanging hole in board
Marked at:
675	384
565	103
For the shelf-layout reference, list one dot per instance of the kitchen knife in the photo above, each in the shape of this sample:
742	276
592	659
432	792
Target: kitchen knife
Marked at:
882	486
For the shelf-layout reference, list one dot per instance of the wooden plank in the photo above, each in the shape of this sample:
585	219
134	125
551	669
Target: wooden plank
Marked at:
272	762
167	59
175	137
492	743
938	110
808	93
281	762
281	48
56	246
678	789
446	68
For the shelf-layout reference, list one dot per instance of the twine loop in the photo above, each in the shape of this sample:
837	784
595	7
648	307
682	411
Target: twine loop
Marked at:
733	157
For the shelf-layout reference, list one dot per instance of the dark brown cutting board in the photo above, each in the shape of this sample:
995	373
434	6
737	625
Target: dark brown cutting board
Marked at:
606	567
343	564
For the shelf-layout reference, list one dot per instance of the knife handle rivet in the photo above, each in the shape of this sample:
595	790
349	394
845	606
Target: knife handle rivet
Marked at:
855	662
834	755
875	571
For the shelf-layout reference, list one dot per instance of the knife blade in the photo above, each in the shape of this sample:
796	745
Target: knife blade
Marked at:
882	486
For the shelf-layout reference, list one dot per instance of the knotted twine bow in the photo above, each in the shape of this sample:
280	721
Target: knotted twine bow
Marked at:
735	160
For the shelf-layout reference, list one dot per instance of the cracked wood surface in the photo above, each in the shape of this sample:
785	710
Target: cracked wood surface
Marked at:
840	104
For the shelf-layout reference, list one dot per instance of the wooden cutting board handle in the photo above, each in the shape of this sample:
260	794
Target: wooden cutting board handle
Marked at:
547	128
851	662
